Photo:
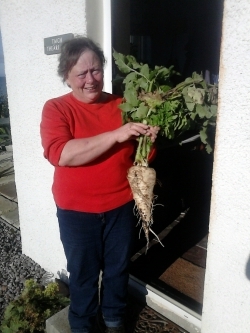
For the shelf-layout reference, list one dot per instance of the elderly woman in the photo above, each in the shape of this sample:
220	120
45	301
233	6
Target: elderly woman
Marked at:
83	137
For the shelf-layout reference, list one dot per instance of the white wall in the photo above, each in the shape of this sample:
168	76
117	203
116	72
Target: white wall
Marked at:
31	80
227	283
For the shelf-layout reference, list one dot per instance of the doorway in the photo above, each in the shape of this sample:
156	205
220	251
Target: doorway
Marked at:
186	34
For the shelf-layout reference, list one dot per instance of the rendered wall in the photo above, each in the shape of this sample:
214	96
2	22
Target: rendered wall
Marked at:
227	282
31	80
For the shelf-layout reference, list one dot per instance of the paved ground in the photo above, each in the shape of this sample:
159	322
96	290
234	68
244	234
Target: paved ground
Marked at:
8	196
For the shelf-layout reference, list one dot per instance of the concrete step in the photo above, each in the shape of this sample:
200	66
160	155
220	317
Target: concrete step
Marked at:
8	190
138	318
59	322
9	211
6	167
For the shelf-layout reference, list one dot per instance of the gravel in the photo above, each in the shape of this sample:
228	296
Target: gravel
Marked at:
15	267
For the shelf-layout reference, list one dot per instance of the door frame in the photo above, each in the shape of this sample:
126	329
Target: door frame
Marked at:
165	305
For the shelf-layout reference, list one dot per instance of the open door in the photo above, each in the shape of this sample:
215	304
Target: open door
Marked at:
186	34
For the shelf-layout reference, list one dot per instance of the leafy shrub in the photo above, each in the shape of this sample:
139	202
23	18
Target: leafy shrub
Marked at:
28	313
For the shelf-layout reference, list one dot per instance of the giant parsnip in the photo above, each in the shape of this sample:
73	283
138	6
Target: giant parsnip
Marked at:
150	97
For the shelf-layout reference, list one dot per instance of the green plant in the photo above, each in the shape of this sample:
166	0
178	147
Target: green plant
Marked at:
28	313
151	97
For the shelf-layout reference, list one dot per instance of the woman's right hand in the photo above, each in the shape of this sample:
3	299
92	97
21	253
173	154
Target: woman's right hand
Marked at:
82	151
130	131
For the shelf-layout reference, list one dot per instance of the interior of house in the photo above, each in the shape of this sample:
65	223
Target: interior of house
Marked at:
186	34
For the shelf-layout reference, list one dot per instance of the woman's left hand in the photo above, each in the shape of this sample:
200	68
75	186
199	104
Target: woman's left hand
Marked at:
152	132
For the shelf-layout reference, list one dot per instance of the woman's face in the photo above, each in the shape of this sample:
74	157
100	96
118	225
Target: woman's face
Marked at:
86	78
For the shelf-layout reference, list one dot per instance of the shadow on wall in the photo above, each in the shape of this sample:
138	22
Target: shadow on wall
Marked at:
248	269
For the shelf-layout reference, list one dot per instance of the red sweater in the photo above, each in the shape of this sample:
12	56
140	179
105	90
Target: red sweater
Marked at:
98	186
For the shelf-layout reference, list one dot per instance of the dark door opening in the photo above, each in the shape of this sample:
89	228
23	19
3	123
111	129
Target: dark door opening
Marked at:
186	34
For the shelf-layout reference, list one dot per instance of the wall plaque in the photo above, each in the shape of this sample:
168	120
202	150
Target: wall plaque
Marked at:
52	45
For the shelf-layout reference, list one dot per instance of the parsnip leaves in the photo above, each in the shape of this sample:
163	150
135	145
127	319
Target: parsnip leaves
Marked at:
151	97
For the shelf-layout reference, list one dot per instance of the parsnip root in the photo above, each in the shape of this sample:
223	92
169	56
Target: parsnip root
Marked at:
142	181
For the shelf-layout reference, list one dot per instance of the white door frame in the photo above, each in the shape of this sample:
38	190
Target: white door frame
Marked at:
165	305
107	45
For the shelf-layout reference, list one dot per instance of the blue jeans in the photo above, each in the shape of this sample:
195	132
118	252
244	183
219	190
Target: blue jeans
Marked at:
93	243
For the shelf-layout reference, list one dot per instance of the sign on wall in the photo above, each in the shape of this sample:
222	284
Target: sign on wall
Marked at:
52	45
